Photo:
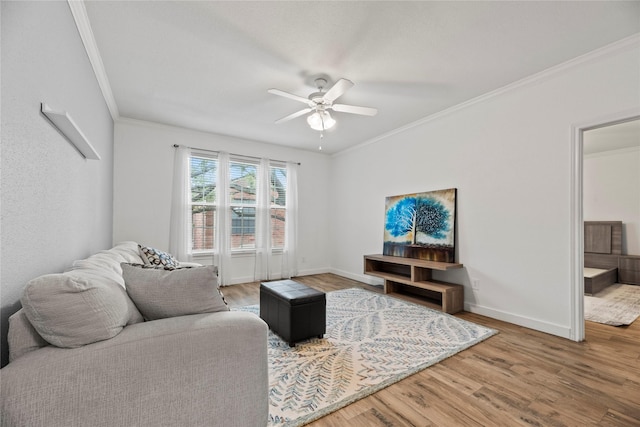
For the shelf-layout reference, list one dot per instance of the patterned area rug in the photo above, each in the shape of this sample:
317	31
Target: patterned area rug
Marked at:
615	305
372	341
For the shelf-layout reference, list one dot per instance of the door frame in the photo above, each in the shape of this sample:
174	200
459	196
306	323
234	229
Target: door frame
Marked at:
577	213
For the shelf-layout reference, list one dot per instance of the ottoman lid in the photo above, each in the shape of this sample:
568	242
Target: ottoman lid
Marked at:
292	292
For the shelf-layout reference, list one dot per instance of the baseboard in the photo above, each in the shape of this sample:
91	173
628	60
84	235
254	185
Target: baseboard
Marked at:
240	280
310	271
249	279
538	325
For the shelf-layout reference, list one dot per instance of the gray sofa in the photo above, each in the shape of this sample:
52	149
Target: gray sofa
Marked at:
205	369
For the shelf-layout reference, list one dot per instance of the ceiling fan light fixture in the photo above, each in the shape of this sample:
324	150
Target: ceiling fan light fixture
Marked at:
321	120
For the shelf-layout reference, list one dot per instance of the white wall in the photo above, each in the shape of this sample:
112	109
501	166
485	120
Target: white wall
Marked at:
509	154
56	206
612	192
142	189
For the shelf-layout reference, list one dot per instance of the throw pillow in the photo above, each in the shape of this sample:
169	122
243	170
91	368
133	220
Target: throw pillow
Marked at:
160	293
158	258
70	311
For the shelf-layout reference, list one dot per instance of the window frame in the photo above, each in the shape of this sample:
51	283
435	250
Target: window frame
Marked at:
249	162
213	205
273	205
241	251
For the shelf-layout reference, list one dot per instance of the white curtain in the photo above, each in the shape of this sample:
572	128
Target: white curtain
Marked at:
223	221
179	226
262	270
290	253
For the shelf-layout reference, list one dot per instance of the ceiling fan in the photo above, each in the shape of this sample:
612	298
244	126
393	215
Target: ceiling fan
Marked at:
319	103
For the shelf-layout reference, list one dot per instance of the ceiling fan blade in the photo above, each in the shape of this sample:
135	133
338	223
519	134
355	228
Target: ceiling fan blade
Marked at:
294	115
288	95
365	111
336	91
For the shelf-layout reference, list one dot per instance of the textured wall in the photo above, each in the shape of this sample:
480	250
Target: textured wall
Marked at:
56	206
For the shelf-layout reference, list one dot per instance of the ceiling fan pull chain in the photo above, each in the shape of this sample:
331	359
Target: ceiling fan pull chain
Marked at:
321	132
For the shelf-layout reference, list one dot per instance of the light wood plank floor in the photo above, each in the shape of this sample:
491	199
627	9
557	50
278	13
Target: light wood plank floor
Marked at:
518	377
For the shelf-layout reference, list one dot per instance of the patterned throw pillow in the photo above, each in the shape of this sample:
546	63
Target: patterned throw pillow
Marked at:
158	258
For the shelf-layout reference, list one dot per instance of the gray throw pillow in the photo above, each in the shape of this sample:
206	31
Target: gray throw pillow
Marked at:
69	311
160	293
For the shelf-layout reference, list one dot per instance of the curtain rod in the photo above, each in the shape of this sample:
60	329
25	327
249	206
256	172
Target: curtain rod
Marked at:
232	154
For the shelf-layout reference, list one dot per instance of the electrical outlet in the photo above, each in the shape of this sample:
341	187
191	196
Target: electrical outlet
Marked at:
475	284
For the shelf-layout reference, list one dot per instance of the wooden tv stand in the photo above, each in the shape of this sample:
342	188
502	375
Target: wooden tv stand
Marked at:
399	272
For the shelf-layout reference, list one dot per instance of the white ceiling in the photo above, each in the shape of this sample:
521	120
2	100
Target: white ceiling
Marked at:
207	65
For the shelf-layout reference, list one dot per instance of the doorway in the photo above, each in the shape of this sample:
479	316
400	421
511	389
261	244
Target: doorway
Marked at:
577	207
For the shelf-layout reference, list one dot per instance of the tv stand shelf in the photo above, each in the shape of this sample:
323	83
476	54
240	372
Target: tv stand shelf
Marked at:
400	273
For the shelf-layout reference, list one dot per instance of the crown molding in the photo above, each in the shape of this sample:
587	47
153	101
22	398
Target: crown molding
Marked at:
631	42
81	19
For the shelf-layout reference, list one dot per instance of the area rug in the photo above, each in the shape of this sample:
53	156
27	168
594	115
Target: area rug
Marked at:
615	305
372	341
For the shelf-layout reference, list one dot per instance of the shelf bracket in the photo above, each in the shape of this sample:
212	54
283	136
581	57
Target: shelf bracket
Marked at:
68	128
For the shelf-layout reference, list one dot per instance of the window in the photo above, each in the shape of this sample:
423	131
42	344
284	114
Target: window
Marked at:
243	184
278	176
203	173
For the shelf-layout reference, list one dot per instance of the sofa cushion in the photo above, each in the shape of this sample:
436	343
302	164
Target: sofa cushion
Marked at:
160	293
71	311
158	258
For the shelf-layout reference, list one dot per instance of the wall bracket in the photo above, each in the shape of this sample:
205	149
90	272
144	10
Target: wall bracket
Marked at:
67	127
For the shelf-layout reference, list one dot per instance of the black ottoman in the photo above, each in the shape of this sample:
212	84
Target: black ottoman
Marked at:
292	310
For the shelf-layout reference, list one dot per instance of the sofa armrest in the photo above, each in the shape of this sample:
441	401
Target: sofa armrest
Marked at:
22	337
205	369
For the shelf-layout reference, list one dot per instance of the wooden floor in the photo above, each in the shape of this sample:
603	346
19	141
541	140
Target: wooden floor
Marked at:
518	377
